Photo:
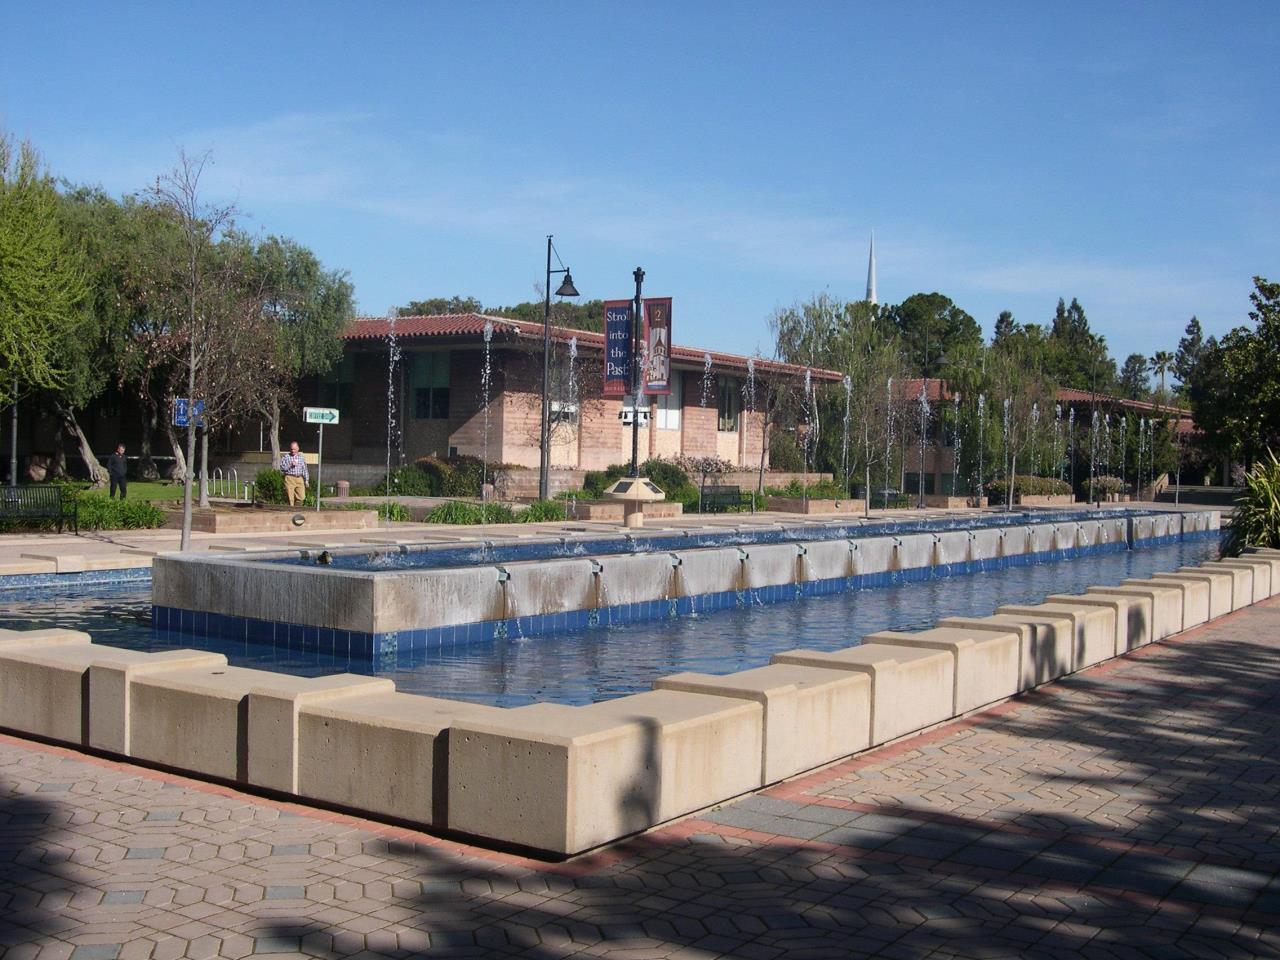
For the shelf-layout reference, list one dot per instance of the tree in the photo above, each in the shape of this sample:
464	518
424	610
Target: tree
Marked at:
438	305
931	326
307	307
1190	351
1133	378
42	280
178	195
1005	327
1161	363
1076	356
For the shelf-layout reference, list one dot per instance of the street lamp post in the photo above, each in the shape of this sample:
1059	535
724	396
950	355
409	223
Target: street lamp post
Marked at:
566	289
637	374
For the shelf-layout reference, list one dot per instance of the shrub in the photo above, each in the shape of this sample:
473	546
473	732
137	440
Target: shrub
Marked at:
98	512
1255	521
434	472
541	511
391	510
666	474
998	490
784	453
461	512
268	487
1108	485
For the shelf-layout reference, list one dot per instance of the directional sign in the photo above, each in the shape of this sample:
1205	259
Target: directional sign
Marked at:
184	409
327	415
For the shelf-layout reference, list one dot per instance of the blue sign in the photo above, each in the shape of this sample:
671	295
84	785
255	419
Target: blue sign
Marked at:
617	347
184	409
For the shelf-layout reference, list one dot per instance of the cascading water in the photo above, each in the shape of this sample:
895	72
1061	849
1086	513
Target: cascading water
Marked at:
393	361
888	437
955	447
847	383
1106	444
1071	444
751	385
1093	450
706	378
982	441
810	433
1007	457
1035	439
1124	448
924	434
1057	442
486	383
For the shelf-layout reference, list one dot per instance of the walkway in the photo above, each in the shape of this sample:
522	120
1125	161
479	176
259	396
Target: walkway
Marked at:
1130	811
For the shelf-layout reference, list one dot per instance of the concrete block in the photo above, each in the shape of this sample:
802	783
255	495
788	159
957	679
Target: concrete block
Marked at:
1219	584
273	724
1040	538
1195	597
1166	605
62	562
109	676
872	555
709	571
401	744
564	779
913	551
1261	574
550	586
415	600
770	565
986	665
1093	628
911	688
1133	616
1241	581
811	716
1015	541
1047	644
952	546
42	683
1066	536
986	544
1213	520
826	560
638	578
1270	558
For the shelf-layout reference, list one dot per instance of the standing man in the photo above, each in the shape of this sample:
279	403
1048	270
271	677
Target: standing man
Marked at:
118	472
294	467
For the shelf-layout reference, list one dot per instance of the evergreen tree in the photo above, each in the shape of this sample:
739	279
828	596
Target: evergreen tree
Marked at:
1006	327
931	326
1133	378
1190	351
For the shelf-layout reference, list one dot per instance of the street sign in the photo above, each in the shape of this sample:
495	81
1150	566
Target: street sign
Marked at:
324	415
184	410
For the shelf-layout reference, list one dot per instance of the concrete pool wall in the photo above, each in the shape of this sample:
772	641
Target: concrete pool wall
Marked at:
563	779
376	613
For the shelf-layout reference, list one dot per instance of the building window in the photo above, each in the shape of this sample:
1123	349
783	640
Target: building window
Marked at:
730	405
669	405
336	385
430	385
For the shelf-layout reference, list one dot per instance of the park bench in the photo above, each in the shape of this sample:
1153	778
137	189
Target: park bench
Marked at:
43	502
719	499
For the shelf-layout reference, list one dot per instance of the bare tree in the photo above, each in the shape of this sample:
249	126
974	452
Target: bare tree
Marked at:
177	193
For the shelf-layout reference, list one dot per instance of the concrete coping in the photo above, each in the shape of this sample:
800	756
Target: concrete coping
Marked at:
869	658
987	665
53	636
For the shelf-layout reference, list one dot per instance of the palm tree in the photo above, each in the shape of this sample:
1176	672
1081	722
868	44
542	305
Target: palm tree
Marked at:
1161	364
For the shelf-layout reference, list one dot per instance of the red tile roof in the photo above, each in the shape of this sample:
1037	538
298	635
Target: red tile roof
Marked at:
468	326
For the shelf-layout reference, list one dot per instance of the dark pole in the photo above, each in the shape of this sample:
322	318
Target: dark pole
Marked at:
544	465
637	375
13	440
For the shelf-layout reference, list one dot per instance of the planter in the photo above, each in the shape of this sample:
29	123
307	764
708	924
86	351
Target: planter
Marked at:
953	503
1044	500
807	506
277	520
612	510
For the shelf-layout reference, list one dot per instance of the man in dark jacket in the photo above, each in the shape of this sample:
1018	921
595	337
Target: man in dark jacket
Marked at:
117	471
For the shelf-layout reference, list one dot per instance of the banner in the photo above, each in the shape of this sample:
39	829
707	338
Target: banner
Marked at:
657	345
617	348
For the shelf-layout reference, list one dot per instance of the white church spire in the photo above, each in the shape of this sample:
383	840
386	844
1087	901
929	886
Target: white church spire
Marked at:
871	271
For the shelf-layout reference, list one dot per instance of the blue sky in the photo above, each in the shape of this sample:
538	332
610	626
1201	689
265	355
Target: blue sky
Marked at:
1005	154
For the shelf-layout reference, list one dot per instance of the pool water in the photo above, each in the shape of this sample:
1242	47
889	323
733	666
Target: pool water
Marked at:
599	663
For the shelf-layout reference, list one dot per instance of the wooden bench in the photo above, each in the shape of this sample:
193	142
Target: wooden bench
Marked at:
44	502
720	499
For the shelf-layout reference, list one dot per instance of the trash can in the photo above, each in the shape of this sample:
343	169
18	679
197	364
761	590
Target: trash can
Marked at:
344	489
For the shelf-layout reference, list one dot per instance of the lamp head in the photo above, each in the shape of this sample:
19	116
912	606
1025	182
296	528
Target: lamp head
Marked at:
567	289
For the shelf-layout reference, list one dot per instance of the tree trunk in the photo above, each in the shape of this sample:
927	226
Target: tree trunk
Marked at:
97	476
204	467
175	443
58	468
273	422
146	465
1013	476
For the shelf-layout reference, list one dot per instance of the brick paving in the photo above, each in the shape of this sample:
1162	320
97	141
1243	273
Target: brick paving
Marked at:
1130	811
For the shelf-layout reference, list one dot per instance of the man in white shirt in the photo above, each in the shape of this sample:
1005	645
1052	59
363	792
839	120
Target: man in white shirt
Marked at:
294	467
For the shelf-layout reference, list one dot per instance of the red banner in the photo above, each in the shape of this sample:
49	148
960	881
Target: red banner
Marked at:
657	345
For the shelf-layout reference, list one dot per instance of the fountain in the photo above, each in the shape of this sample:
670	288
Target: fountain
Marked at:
486	383
1071	442
847	383
982	441
750	387
393	361
924	435
1093	450
888	440
955	447
1007	457
1035	439
707	378
1057	442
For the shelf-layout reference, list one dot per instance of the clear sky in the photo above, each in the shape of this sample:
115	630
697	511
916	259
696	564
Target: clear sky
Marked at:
1005	154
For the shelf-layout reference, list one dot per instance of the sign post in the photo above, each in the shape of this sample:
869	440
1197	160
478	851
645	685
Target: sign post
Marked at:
321	416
